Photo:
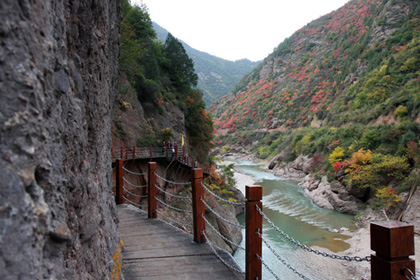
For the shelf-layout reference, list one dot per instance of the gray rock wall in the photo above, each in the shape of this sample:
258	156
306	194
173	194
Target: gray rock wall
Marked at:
58	80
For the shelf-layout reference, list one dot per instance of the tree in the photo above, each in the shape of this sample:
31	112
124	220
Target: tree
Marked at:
180	67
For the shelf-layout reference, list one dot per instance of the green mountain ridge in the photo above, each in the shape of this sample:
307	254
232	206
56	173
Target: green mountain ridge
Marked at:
216	76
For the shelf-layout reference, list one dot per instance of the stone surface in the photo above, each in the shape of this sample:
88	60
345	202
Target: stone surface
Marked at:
412	213
58	80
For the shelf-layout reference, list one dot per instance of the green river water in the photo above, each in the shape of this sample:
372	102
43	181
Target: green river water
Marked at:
286	204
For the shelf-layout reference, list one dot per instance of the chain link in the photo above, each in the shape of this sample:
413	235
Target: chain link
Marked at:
133	203
281	259
172	195
220	217
411	276
177	228
309	249
221	235
221	198
134	186
268	268
173	207
133	194
134	173
187	227
212	246
171	182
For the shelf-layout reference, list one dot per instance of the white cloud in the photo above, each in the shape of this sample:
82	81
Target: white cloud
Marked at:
236	29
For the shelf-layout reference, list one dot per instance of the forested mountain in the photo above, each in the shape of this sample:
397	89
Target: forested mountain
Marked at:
216	76
158	100
344	89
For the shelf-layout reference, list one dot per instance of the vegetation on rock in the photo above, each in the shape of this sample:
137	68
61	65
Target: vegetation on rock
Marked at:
162	76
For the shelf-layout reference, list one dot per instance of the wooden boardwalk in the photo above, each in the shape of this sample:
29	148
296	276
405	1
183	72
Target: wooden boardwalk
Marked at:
155	250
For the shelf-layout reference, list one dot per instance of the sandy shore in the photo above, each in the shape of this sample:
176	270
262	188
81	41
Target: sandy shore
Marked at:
359	246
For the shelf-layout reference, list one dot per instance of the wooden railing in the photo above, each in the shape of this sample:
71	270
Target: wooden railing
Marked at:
177	152
393	242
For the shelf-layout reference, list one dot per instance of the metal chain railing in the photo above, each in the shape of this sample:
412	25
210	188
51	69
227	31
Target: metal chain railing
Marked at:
172	195
135	204
411	275
173	207
281	259
221	235
309	249
171	182
134	173
187	227
133	194
221	198
212	247
133	185
268	268
169	224
220	217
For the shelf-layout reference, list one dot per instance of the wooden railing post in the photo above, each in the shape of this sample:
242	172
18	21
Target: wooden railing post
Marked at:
122	153
198	205
151	152
119	190
393	243
152	190
176	150
134	151
253	242
126	152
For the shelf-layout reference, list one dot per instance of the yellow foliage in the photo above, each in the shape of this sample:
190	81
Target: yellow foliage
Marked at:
336	155
361	157
388	196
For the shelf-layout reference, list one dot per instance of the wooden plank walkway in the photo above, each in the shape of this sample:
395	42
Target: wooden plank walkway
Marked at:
155	250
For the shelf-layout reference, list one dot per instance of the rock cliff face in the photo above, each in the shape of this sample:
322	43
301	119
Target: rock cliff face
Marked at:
58	80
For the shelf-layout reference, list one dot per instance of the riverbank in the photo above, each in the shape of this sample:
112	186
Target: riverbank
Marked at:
359	240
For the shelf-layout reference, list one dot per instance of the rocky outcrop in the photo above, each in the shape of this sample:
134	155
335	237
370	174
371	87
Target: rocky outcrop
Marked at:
323	193
331	195
58	80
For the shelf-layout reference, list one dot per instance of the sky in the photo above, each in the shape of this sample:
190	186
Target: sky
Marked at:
236	29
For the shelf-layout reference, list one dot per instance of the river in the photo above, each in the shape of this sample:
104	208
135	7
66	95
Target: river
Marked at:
286	204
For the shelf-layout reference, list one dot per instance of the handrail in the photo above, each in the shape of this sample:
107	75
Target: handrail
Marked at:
393	241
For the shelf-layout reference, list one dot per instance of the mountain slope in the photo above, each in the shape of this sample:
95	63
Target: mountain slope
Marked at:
343	91
216	76
317	75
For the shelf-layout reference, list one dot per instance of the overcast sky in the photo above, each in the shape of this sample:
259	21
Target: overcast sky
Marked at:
236	29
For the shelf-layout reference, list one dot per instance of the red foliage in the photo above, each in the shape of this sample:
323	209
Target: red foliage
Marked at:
337	166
